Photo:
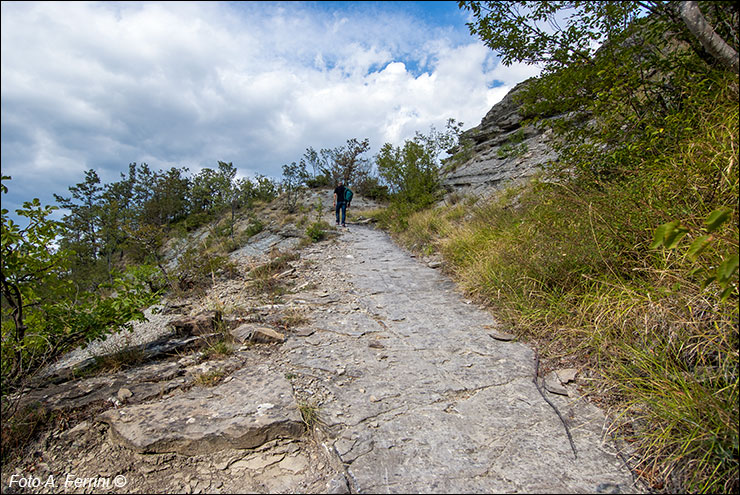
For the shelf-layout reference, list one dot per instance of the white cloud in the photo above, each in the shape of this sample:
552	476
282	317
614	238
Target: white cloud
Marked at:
100	85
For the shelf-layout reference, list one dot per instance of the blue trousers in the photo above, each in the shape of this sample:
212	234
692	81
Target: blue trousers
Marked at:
341	206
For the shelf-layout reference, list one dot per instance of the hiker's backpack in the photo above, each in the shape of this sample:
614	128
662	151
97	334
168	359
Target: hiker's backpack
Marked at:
348	195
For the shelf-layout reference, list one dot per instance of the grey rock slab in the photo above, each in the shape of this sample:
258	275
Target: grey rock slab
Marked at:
442	407
255	406
137	384
492	166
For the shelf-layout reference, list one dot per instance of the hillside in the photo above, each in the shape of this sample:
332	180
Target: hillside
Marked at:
341	366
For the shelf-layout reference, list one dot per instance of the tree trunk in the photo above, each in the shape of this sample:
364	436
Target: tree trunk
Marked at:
705	33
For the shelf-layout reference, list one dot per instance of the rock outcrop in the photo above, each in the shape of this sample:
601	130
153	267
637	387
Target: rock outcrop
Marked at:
204	420
499	152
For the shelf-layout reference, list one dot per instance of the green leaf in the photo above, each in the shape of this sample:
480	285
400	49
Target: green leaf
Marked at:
708	281
661	233
674	237
726	293
726	270
699	244
717	218
696	271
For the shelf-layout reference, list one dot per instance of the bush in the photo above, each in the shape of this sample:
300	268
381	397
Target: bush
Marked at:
371	188
254	228
318	181
198	269
196	220
317	230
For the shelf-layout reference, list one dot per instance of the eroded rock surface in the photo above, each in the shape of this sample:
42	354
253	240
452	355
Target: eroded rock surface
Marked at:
502	151
255	406
418	397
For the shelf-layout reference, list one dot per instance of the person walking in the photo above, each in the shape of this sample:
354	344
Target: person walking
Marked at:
339	202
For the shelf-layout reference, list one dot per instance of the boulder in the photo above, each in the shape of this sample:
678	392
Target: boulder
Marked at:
501	151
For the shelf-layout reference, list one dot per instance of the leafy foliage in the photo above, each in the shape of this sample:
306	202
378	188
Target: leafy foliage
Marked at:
412	170
721	270
43	313
343	162
294	180
317	230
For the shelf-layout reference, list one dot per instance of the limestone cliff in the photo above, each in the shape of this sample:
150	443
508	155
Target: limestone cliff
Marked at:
498	152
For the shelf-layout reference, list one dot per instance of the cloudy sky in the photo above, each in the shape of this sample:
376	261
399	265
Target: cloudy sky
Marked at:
101	85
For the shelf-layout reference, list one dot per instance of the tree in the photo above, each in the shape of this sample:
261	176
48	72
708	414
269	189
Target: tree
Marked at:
319	163
211	189
617	65
81	235
43	313
709	38
412	171
29	263
168	201
531	31
348	163
294	178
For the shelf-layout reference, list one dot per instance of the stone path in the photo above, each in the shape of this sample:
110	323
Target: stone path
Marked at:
419	396
412	393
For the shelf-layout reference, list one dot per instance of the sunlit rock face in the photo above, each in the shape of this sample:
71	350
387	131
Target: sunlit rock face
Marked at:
499	152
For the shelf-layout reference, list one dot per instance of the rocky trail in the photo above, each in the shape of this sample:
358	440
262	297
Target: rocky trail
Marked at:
407	387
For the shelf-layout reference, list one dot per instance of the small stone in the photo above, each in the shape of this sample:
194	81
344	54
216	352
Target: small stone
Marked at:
608	488
376	345
266	335
553	385
123	394
503	336
434	264
374	399
567	375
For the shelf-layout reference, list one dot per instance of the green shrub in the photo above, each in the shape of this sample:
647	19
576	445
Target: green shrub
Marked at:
197	268
317	230
318	181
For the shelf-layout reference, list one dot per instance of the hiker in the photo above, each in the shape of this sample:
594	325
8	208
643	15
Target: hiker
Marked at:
340	203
